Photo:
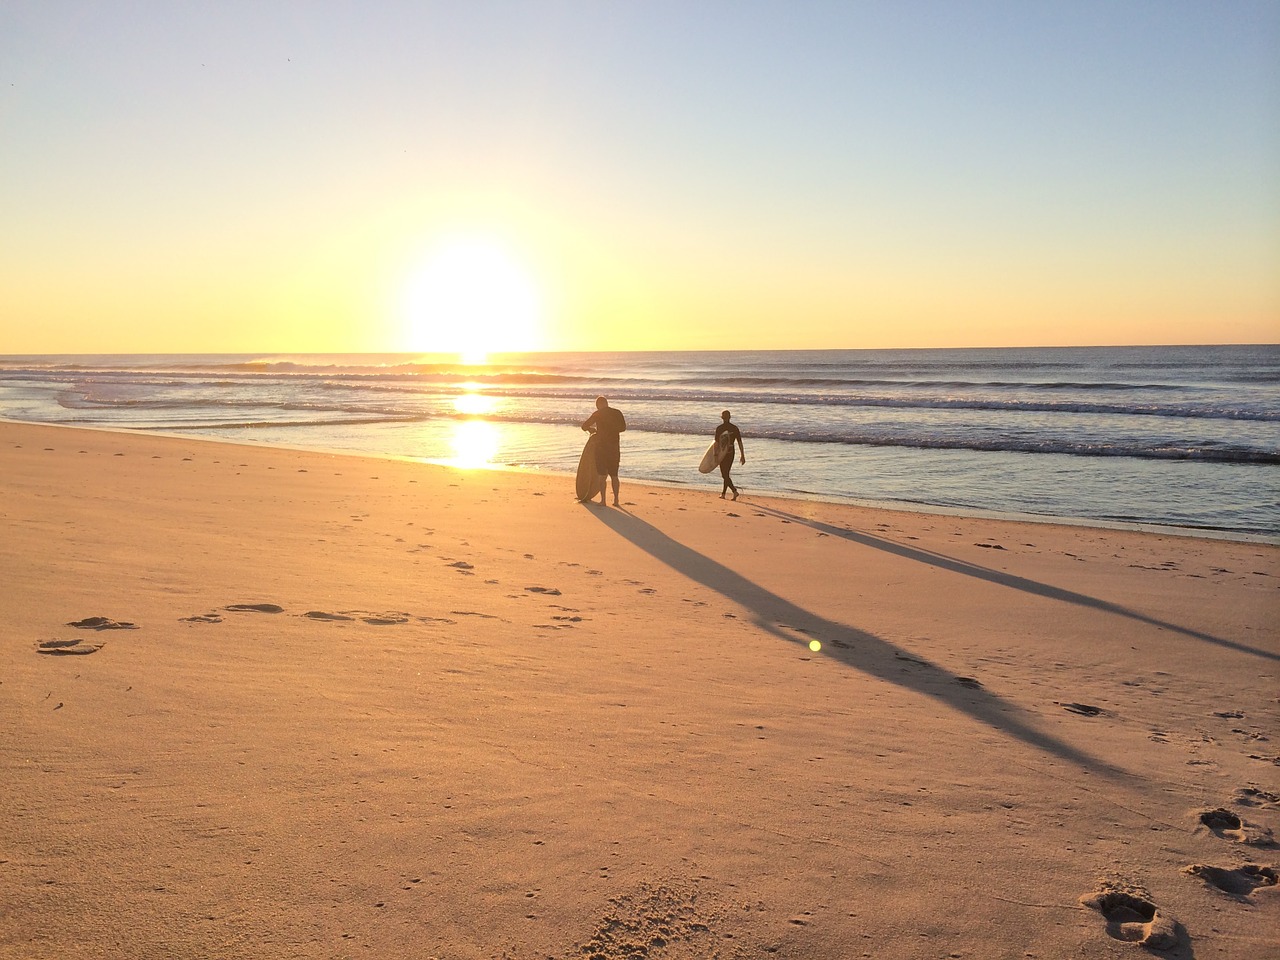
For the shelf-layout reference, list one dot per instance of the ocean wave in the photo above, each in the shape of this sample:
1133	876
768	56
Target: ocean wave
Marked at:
1155	449
847	383
631	392
223	396
1146	449
215	425
938	383
248	376
1206	411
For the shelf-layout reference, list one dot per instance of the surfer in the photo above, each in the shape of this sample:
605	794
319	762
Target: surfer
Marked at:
607	422
726	435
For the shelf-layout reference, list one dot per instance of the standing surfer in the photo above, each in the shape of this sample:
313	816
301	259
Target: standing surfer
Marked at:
607	423
726	435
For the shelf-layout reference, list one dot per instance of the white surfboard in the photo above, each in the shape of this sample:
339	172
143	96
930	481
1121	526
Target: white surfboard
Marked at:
715	453
587	482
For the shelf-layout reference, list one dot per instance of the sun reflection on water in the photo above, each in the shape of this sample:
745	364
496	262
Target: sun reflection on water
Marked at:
473	403
475	444
474	441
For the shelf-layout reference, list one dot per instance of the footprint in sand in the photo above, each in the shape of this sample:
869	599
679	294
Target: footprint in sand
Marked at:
549	591
1254	797
1239	882
366	616
102	623
1132	917
909	659
386	619
201	618
645	921
1083	709
254	608
66	648
1227	826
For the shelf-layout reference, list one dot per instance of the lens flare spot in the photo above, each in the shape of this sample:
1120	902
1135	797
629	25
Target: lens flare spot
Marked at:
815	646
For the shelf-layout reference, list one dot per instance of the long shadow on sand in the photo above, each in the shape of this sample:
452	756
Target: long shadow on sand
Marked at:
857	648
1009	580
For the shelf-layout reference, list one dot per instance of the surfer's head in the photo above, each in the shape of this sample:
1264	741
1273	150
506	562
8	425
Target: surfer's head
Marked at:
601	403
724	415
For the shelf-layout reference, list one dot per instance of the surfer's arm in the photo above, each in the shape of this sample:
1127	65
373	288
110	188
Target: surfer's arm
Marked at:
590	422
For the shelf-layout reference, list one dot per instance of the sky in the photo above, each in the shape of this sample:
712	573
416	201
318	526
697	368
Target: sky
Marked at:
284	176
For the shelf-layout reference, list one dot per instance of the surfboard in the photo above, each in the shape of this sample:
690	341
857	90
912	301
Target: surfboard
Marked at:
588	480
715	453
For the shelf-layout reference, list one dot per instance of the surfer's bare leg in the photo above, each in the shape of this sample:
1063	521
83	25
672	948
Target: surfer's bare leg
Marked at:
603	485
615	491
725	466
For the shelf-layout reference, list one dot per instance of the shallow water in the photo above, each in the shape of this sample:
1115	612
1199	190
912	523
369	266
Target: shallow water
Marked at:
1186	437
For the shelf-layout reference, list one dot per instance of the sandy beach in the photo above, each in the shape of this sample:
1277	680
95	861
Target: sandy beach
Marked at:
260	703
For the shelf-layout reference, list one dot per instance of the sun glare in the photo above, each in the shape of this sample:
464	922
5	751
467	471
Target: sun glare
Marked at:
472	403
472	297
475	444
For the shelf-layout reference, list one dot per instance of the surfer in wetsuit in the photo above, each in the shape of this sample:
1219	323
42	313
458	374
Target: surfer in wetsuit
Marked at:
726	435
607	422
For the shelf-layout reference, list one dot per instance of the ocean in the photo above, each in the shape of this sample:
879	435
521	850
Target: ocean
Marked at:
1181	438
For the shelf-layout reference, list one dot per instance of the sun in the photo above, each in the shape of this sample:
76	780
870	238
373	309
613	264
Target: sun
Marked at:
471	296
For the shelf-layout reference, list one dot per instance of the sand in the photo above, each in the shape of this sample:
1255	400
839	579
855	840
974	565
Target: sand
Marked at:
334	706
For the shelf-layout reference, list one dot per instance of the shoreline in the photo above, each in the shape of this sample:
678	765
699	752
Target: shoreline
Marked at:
264	703
1205	533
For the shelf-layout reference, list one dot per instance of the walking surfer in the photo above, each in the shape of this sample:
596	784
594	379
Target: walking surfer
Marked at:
726	435
607	422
